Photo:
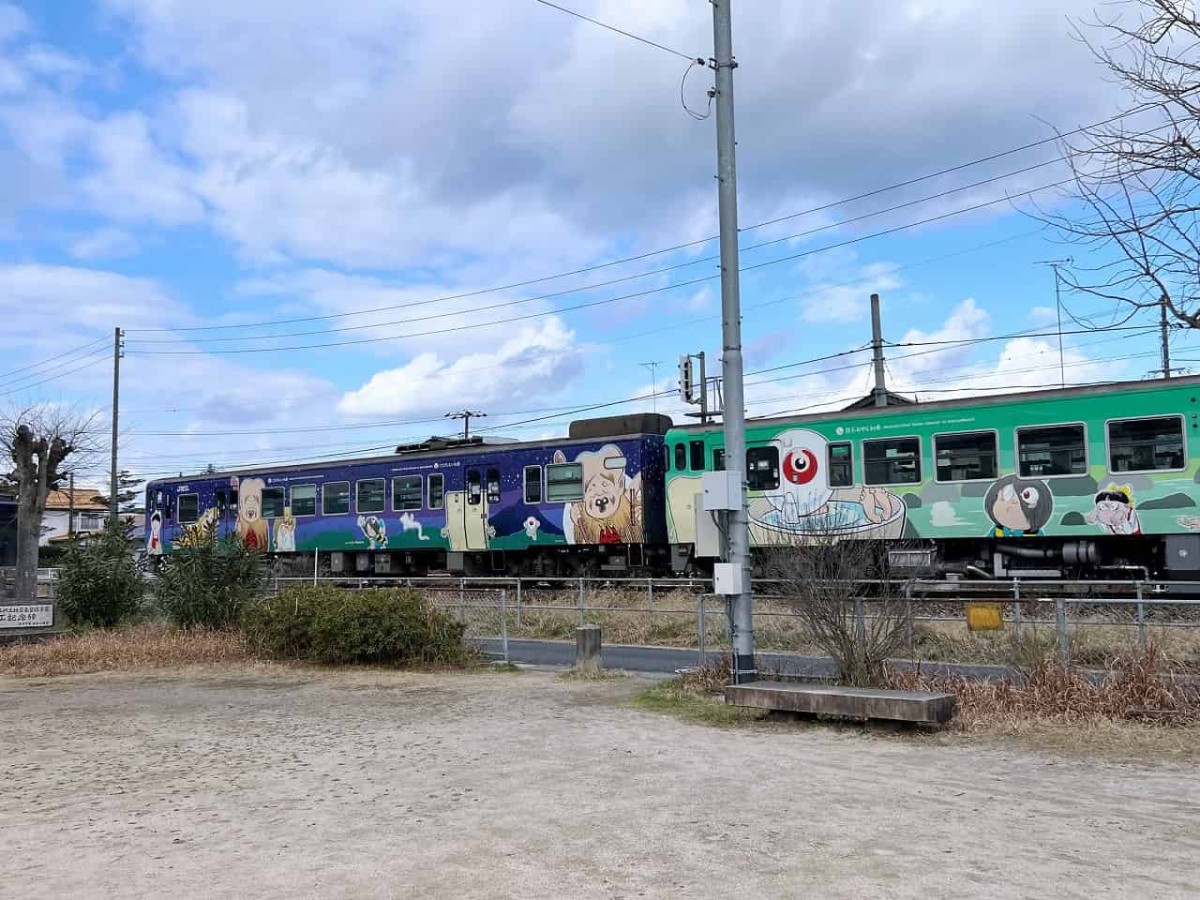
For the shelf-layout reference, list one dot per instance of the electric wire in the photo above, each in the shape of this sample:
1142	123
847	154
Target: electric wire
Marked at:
621	31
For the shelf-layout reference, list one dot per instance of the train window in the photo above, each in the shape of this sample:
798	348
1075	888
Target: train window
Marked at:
474	488
892	461
493	485
680	457
533	484
304	499
718	459
1145	445
696	450
762	468
335	498
841	465
437	490
667	463
370	495
564	482
273	502
970	456
1051	450
189	508
406	492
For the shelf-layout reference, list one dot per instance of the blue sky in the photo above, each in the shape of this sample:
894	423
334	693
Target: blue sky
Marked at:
188	170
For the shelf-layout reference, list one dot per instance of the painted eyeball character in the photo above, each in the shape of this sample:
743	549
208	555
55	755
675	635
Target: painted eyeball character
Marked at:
800	466
803	482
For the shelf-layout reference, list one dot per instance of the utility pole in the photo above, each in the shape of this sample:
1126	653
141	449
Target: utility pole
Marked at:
466	415
71	505
118	345
1054	264
880	391
653	367
738	529
1166	336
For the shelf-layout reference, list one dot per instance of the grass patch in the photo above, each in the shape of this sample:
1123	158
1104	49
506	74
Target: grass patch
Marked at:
137	647
504	668
676	699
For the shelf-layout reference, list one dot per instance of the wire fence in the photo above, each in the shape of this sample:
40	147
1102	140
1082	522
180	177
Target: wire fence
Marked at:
1067	618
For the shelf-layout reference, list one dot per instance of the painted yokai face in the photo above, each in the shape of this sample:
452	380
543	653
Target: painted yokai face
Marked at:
251	508
1111	512
602	496
803	479
1011	507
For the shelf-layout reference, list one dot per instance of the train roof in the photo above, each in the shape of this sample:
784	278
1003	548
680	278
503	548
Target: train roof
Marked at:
585	429
960	403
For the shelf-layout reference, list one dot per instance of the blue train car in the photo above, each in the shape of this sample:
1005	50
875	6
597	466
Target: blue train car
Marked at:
589	503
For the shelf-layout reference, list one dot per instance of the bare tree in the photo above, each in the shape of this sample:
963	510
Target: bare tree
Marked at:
45	444
1137	176
843	589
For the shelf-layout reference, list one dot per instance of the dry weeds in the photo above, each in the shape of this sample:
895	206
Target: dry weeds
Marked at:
147	646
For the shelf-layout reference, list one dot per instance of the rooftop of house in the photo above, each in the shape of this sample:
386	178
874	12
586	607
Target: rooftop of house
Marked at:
85	499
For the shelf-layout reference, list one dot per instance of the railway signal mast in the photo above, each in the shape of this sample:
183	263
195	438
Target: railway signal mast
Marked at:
732	577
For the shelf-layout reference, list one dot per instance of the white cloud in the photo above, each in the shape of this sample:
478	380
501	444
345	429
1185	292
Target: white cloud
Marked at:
106	243
536	362
836	304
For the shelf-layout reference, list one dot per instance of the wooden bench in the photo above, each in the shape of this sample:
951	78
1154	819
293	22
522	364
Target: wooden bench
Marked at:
922	707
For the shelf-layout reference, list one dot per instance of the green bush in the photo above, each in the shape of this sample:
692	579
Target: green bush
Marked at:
208	584
99	580
325	624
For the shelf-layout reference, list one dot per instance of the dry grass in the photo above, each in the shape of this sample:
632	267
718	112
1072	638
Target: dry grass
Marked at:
135	648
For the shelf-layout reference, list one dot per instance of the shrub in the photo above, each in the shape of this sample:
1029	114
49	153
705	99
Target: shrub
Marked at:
99	580
322	623
208	583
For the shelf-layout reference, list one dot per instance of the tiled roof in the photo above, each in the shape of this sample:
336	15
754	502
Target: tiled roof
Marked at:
85	499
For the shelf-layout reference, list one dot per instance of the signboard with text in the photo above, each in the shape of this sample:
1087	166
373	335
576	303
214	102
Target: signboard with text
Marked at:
27	615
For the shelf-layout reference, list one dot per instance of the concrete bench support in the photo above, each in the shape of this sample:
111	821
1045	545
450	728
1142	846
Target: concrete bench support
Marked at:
853	703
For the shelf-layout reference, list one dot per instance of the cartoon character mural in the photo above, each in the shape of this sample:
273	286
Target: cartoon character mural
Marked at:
806	504
252	528
611	509
374	529
200	533
408	522
531	526
1018	507
154	545
285	532
1114	511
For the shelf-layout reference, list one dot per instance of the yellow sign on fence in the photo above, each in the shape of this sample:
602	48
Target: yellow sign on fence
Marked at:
985	617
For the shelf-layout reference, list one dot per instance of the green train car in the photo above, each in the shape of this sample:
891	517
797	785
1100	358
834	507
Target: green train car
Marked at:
1091	481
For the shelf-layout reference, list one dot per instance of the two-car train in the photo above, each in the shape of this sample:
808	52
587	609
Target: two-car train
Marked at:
1095	480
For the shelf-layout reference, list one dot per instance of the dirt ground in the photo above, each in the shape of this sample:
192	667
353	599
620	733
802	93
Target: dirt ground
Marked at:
268	783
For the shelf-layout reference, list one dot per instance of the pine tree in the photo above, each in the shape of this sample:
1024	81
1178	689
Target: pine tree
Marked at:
129	492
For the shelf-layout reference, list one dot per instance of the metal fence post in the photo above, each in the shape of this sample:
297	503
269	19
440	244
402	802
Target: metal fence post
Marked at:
462	602
860	622
1060	627
908	618
702	627
650	596
581	616
1141	617
504	622
1016	608
316	564
518	602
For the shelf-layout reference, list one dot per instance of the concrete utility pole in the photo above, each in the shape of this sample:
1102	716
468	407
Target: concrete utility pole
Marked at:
653	367
118	337
466	415
1165	328
71	505
880	392
738	529
1055	264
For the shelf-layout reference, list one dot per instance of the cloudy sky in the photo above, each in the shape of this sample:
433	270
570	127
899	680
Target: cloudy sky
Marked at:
325	224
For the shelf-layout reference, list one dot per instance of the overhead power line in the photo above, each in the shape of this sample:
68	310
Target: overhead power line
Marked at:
268	323
621	31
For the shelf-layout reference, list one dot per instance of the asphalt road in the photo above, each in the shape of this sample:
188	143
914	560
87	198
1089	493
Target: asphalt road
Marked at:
671	659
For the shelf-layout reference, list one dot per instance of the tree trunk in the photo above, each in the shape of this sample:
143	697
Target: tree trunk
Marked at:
29	530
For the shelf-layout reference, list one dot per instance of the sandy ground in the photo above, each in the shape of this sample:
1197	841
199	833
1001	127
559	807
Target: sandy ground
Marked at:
286	784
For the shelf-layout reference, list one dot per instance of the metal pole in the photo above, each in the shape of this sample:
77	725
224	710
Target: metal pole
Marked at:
650	597
1141	617
316	564
581	617
860	622
504	622
518	602
702	628
112	500
1016	608
880	391
71	505
462	603
1060	627
1062	366
1166	335
731	360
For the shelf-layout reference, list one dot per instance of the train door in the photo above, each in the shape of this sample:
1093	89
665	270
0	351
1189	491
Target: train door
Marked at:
475	512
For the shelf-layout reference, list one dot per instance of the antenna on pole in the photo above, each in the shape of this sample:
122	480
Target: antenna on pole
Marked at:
466	415
1055	264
